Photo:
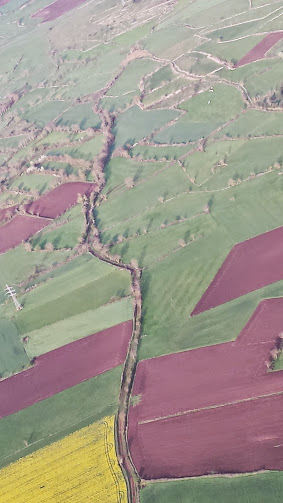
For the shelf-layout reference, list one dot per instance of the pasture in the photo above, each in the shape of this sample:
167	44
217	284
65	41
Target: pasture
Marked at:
45	112
13	357
80	115
146	123
248	488
32	183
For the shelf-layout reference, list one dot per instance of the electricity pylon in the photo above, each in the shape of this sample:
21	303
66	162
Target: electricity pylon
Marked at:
12	293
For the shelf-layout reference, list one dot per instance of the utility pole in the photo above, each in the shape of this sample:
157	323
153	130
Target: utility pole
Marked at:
12	293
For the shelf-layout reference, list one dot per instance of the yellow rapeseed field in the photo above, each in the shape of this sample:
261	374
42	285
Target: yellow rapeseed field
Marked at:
80	468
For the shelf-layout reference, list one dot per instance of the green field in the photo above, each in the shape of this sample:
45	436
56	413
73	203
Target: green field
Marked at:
259	78
159	78
87	150
160	153
65	232
69	302
236	214
146	123
130	77
92	295
120	169
205	113
245	489
13	357
81	115
254	123
231	51
45	112
164	91
168	183
56	417
18	265
60	137
34	183
78	326
12	141
197	64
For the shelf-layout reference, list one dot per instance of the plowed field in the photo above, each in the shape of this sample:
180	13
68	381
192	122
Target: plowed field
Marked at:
65	367
217	388
249	266
57	201
20	228
259	51
57	9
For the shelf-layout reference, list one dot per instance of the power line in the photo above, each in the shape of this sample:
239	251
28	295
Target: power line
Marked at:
12	293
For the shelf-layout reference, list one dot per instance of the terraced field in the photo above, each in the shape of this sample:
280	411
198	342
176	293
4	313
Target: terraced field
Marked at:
141	208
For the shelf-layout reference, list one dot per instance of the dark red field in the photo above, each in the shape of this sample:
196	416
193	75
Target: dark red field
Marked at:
243	437
18	229
57	201
259	51
250	265
65	367
57	9
217	388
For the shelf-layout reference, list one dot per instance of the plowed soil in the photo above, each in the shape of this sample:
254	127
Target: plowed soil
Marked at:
20	228
57	9
57	201
242	437
250	265
259	51
217	388
65	367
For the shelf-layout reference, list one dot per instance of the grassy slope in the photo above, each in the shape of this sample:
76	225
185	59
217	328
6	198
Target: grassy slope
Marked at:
171	285
29	183
79	326
12	355
58	416
79	300
18	264
205	112
86	150
146	122
82	115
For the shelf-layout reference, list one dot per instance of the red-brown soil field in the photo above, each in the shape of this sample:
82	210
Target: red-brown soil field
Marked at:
250	265
18	229
194	406
65	367
57	9
57	201
242	437
259	51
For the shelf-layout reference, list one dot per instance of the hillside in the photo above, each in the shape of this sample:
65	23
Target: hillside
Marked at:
141	229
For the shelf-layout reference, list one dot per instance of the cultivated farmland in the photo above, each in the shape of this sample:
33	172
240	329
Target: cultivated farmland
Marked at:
54	472
230	386
141	220
75	363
